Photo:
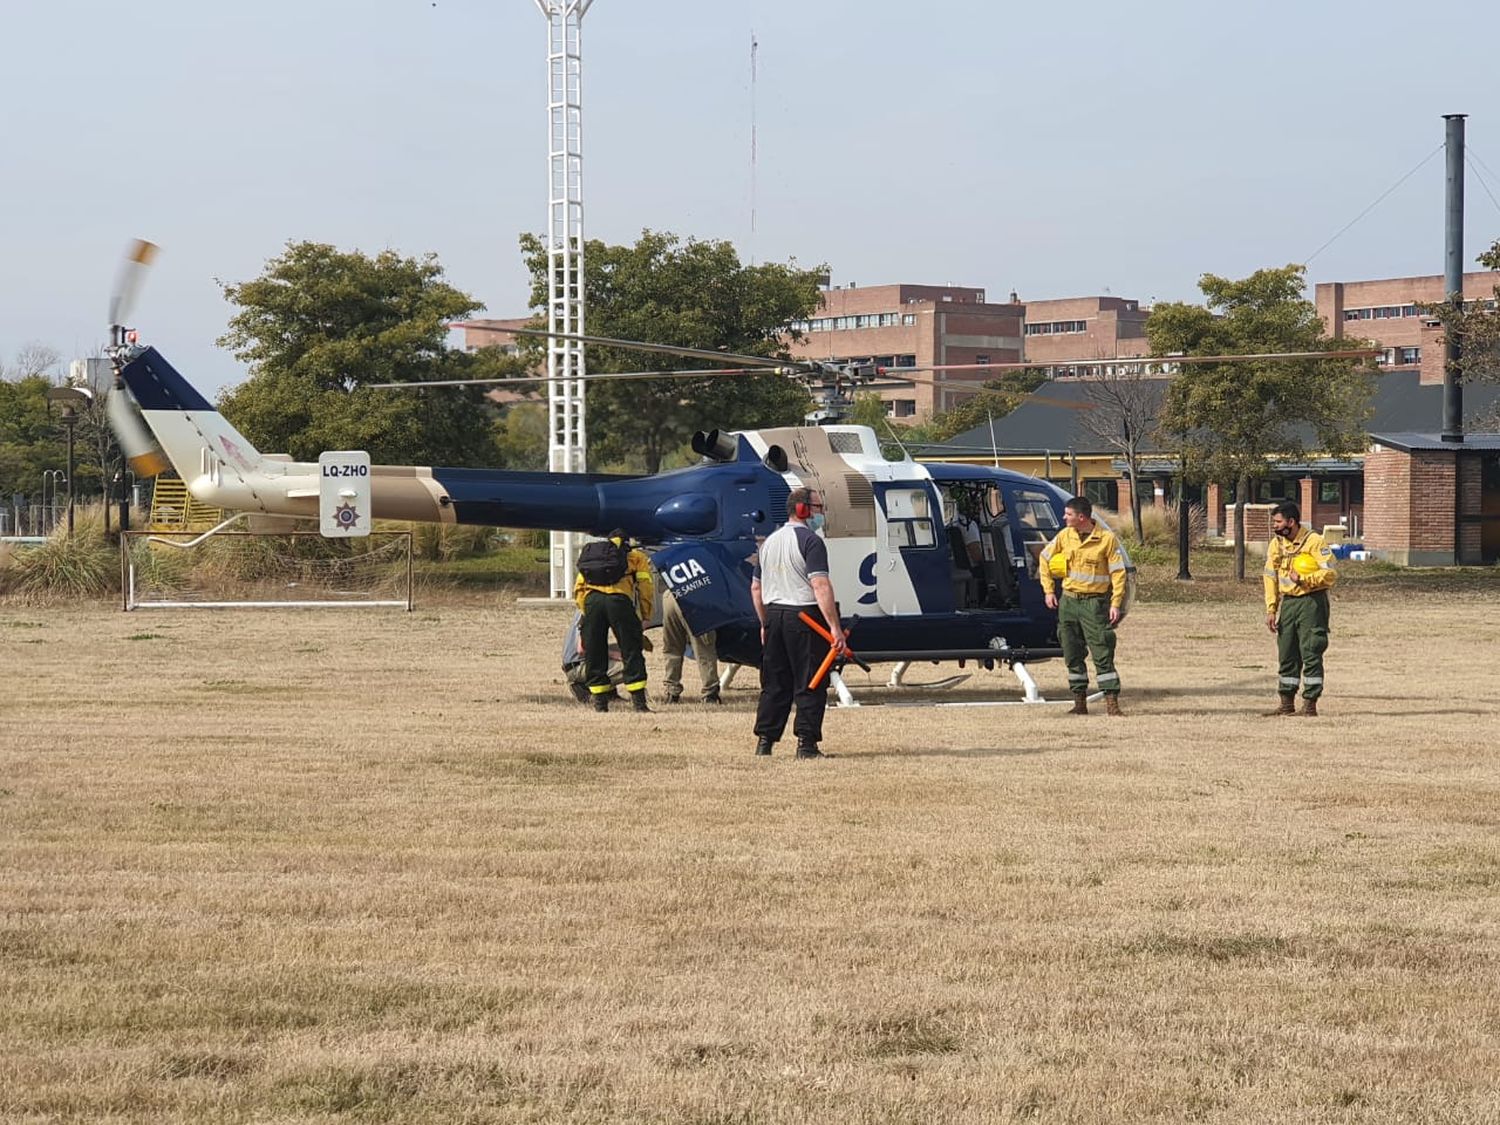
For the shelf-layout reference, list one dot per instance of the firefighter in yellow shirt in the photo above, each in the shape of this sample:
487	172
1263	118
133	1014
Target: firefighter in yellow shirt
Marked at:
1091	565
1299	572
614	591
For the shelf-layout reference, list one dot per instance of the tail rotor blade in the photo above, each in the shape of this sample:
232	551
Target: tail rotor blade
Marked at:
128	282
141	452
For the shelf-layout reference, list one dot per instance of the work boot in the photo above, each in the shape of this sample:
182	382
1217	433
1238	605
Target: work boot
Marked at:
601	701
763	746
808	749
674	696
580	692
1112	706
638	700
712	698
1287	706
1309	708
1080	703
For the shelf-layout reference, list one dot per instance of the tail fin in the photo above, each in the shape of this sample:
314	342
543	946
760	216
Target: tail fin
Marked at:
184	422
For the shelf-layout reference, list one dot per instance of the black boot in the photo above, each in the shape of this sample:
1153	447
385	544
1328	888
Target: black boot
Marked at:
674	696
809	749
763	746
638	700
601	701
712	698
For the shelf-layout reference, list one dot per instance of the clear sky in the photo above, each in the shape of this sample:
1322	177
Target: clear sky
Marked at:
1056	149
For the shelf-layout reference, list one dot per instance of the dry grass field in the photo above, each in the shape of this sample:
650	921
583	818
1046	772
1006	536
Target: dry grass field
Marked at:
317	866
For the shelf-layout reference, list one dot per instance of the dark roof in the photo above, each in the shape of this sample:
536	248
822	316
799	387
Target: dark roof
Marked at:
1409	443
1051	418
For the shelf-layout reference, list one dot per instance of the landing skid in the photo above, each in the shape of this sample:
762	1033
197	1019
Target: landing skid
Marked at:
899	672
1031	693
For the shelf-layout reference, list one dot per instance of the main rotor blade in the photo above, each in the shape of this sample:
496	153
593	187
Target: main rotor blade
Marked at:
602	376
642	346
128	280
1122	361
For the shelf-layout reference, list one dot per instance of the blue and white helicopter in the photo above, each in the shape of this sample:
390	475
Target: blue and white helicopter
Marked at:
897	531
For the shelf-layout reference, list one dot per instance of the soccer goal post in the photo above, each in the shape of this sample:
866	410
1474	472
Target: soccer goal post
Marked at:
264	570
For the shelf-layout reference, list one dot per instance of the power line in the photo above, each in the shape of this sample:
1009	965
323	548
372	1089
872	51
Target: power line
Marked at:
1478	175
1372	206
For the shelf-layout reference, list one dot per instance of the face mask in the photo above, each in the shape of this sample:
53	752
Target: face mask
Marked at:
815	521
1285	532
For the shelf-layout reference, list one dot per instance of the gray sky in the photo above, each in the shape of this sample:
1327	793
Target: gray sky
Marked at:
1060	149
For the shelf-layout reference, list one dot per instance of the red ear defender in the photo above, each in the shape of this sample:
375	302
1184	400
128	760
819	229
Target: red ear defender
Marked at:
801	511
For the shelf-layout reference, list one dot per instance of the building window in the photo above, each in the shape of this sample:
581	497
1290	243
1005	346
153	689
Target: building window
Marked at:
1103	493
981	359
1330	492
908	318
1410	356
906	408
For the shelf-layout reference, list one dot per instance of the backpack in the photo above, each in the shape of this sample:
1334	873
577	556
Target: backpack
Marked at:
602	563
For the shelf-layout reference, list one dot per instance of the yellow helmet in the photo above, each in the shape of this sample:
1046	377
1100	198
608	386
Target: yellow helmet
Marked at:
1305	565
1057	566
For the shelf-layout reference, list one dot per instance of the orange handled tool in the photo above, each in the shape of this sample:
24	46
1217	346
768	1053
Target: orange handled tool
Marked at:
835	655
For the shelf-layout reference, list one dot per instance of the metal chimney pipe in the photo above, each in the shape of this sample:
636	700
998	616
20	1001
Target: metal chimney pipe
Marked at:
1453	276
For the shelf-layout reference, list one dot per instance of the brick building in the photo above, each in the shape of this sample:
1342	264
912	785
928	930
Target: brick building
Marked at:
914	326
1386	312
1062	331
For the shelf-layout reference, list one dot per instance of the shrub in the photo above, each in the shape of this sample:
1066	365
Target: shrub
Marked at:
80	566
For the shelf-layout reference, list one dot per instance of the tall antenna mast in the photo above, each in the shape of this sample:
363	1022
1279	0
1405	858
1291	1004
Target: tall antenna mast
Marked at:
566	434
754	46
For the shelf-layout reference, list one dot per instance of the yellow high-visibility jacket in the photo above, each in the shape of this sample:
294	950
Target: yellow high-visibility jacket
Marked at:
1281	581
1096	565
636	584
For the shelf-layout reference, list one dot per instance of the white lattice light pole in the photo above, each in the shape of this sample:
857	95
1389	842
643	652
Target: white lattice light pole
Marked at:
566	433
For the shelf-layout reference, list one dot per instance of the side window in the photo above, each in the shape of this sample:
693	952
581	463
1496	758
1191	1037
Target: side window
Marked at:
908	516
1035	523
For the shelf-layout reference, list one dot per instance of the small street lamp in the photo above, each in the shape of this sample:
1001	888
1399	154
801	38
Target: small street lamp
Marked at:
71	398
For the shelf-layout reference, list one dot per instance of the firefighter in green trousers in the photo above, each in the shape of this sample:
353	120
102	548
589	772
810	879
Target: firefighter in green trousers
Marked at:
1299	573
1088	560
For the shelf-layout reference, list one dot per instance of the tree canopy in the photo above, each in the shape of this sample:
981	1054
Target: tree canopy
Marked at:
692	293
1232	417
1230	420
1478	327
319	325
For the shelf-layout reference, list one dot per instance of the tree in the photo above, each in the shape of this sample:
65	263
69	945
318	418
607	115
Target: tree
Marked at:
1125	403
1478	328
319	325
691	293
30	438
1230	420
521	437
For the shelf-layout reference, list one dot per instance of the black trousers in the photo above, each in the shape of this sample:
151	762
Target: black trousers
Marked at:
601	614
791	656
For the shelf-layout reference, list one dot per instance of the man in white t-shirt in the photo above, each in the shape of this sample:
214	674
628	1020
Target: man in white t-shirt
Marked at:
791	578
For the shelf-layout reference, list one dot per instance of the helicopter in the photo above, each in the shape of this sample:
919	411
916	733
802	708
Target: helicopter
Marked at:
897	553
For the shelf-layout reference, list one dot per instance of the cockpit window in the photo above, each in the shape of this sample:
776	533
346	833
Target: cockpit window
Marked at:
1034	509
